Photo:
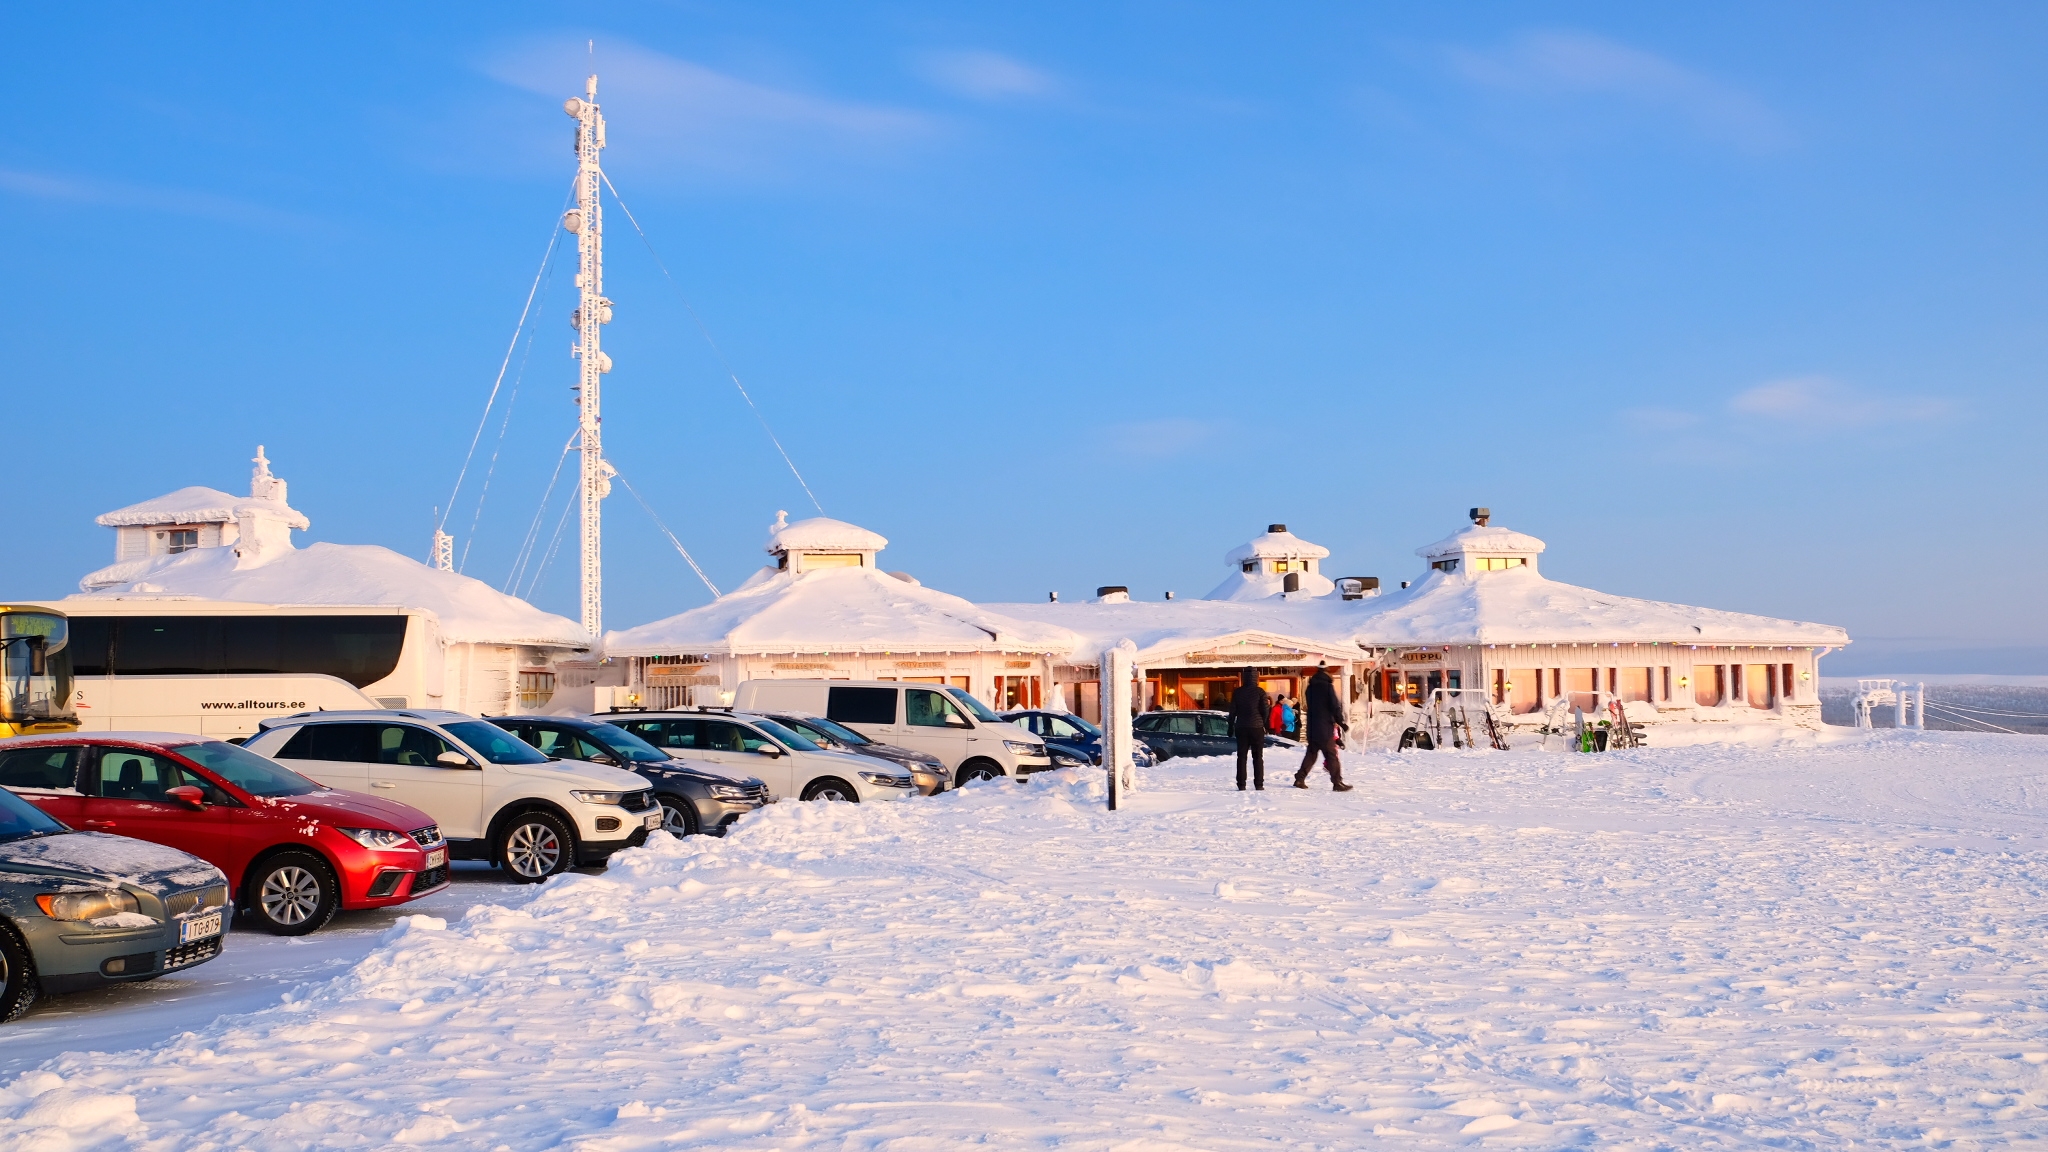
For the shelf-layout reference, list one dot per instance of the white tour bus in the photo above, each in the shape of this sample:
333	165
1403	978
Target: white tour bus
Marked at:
219	668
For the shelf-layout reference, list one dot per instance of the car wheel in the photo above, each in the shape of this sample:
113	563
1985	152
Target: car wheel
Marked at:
979	770
831	788
17	976
678	815
535	846
291	894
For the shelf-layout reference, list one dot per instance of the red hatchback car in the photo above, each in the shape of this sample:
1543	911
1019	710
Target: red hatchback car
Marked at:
296	850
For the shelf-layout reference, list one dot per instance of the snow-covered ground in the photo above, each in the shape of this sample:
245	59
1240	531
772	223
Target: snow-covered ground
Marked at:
1794	939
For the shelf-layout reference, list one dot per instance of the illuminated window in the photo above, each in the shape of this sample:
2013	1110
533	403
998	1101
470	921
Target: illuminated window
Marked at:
1495	563
831	560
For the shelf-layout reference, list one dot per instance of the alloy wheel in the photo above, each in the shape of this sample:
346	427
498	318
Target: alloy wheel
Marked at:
673	820
533	850
290	895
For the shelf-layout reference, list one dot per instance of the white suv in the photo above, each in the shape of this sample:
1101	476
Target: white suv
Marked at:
791	763
494	796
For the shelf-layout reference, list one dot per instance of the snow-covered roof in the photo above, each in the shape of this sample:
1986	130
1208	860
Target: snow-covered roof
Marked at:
198	505
1517	606
1482	538
1163	627
470	611
836	610
1276	545
822	534
1521	606
1263	585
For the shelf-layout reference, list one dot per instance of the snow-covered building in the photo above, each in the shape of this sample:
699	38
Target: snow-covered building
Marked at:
1481	617
1275	562
199	554
825	610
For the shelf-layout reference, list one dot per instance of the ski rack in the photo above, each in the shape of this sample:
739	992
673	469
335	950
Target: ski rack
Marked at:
1449	714
1576	732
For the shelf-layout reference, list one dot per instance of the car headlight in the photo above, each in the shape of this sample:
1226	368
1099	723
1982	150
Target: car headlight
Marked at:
601	797
1067	760
85	905
886	779
378	838
1024	748
729	792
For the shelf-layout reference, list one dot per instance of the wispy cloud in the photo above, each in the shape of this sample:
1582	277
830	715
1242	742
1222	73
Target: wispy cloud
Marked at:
665	107
175	201
1563	64
1158	438
1822	402
983	75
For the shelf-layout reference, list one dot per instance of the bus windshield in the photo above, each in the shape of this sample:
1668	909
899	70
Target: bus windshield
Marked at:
35	669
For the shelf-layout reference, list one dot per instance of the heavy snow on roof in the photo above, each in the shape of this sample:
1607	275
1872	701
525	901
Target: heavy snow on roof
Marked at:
1275	546
470	610
822	533
836	610
1167	625
197	505
1520	606
1481	538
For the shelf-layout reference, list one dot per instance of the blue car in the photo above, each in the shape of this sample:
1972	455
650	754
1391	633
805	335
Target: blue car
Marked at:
1068	735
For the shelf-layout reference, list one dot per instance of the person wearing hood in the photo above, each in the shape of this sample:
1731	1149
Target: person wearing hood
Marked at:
1325	719
1248	708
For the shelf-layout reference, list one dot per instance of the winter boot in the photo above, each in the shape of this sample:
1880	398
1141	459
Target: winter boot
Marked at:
1301	779
1340	786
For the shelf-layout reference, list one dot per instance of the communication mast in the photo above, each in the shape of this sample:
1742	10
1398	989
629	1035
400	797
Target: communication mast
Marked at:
592	313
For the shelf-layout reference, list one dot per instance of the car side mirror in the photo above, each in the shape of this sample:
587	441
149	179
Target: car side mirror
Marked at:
453	760
769	750
601	758
186	796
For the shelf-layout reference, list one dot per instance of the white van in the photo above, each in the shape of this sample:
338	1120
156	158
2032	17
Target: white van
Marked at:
971	741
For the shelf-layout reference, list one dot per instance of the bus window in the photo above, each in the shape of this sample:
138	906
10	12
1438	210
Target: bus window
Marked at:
358	649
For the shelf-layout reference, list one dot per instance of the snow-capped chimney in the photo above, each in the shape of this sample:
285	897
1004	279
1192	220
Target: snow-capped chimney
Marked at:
257	526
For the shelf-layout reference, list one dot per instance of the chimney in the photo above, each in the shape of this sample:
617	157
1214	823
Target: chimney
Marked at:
1481	515
1276	529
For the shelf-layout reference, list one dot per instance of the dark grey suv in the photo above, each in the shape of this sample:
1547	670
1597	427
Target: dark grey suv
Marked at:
693	798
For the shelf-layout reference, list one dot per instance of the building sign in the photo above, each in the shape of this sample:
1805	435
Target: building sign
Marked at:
1422	657
803	666
666	675
920	664
1017	664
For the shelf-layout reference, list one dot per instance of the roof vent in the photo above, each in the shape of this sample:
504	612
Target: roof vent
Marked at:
1481	515
1276	528
1113	594
1358	587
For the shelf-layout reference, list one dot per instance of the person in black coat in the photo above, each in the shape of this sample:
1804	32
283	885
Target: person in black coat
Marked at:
1325	718
1248	707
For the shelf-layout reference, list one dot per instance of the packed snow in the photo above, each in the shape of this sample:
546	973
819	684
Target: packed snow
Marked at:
1785	938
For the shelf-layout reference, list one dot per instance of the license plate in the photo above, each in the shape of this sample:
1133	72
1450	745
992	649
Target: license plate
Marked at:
651	821
199	928
437	857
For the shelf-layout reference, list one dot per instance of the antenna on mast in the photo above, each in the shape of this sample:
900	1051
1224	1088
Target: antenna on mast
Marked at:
593	312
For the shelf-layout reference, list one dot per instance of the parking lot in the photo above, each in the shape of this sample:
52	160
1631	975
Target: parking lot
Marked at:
253	972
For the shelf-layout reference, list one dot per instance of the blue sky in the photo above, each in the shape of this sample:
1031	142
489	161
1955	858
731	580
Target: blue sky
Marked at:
1737	305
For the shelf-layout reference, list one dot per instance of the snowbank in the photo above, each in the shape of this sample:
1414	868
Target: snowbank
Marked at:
1787	945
